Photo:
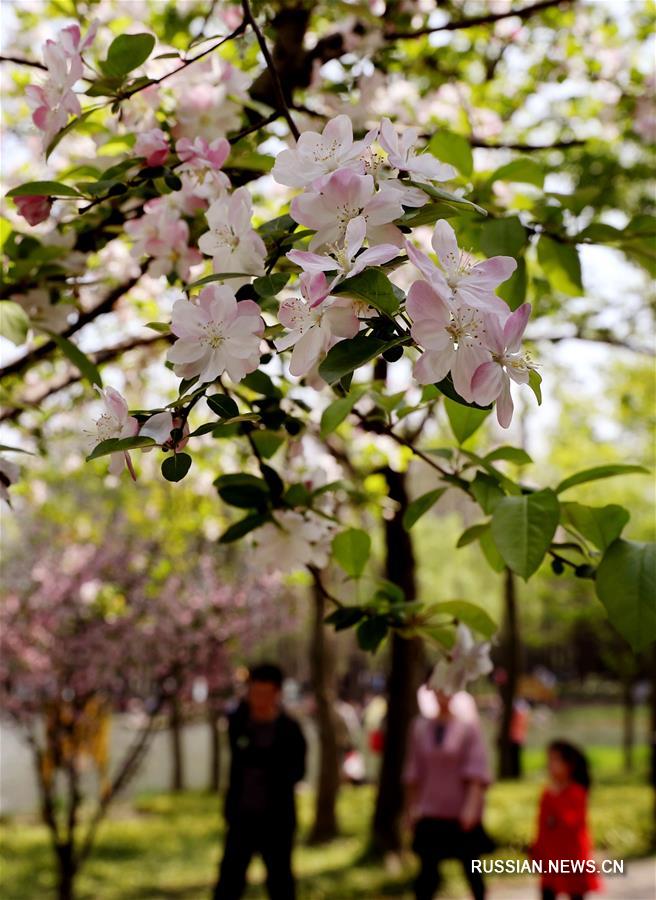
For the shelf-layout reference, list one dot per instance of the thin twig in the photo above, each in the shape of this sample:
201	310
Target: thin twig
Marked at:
472	21
19	61
185	63
280	96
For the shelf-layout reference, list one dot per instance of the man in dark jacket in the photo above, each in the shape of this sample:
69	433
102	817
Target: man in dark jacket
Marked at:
267	760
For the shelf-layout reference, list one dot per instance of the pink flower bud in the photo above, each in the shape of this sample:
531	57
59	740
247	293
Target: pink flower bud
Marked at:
34	207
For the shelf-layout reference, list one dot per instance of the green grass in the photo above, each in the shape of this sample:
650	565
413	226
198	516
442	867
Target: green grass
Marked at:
167	846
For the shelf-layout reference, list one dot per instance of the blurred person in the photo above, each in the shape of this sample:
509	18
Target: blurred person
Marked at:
518	731
562	824
446	775
267	750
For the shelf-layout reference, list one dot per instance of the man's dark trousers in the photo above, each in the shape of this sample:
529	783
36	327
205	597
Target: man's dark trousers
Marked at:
273	842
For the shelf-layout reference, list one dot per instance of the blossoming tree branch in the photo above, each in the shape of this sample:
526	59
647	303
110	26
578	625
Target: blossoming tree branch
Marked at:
282	329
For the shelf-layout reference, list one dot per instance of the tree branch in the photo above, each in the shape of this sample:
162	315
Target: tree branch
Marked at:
43	350
472	21
19	61
277	86
102	356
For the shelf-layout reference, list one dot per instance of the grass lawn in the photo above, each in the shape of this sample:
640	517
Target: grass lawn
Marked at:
167	846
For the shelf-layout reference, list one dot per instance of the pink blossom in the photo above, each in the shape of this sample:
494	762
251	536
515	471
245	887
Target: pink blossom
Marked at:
54	101
199	154
115	422
159	428
35	208
316	154
163	235
491	380
344	260
460	278
314	322
453	339
216	334
343	196
402	154
154	145
293	541
232	242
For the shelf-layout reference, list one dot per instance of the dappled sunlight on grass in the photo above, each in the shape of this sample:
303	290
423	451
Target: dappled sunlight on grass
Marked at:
168	846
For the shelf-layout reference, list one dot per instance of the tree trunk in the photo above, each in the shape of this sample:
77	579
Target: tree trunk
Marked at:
177	753
652	742
66	872
404	679
628	724
214	779
510	660
321	671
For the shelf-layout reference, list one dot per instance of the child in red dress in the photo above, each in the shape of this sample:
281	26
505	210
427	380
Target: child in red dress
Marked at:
562	826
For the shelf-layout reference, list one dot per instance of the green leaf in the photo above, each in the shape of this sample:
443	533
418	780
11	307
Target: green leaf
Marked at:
464	420
371	633
222	276
270	285
344	617
523	169
561	265
7	448
79	359
127	52
599	524
160	327
470	614
490	552
523	527
473	533
14	322
512	454
267	442
598	472
351	549
334	414
176	466
513	290
242	490
503	237
452	148
446	388
224	406
43	189
534	382
350	354
626	585
461	205
119	445
373	286
69	127
486	491
261	383
242	527
421	505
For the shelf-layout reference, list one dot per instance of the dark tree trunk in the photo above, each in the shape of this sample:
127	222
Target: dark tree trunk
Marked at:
628	724
404	678
510	660
652	741
214	725
66	872
324	827
177	752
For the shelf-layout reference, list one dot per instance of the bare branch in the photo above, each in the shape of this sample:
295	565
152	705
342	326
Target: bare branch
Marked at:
472	21
277	86
43	350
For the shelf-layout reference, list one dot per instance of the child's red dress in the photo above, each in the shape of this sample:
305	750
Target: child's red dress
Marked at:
563	835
